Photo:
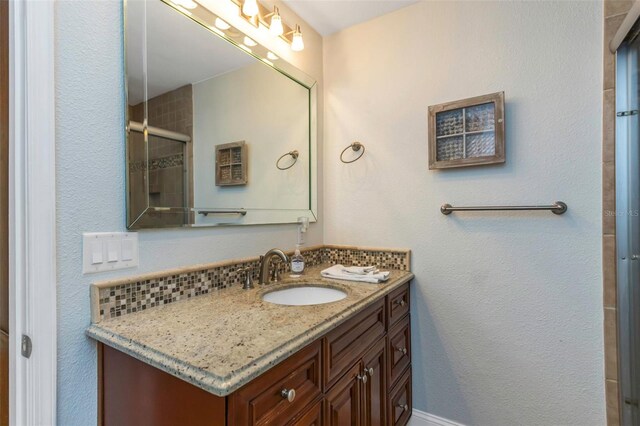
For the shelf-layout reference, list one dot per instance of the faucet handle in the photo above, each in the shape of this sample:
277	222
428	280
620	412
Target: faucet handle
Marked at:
275	273
248	278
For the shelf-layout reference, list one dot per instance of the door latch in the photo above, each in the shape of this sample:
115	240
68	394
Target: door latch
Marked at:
630	401
627	113
26	346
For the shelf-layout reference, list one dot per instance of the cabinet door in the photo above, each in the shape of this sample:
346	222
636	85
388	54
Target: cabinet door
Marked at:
343	401
344	346
375	389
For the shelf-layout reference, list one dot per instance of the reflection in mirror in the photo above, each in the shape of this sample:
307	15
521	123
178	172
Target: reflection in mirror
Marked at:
209	124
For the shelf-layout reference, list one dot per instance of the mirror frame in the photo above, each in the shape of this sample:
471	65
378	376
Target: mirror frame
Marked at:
259	52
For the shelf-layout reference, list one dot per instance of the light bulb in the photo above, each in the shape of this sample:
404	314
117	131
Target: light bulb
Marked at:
250	8
221	24
187	4
276	29
217	31
297	44
249	42
272	56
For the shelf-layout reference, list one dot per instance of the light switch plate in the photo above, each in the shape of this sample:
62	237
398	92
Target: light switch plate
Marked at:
109	251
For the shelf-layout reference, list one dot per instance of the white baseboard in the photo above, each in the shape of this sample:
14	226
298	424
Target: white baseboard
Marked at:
420	418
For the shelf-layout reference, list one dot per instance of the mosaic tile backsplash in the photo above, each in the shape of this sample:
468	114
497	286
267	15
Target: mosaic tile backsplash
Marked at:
138	294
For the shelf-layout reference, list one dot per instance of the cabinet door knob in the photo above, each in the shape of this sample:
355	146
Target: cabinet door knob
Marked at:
403	350
369	371
400	302
404	407
362	378
288	394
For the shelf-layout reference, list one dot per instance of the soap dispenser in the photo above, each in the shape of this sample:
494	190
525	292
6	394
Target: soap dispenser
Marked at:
297	262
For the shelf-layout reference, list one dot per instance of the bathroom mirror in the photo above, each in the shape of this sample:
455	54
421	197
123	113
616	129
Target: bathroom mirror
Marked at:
220	131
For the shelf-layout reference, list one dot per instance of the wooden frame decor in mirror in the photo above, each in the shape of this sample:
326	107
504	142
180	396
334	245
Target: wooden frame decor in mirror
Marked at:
468	132
231	164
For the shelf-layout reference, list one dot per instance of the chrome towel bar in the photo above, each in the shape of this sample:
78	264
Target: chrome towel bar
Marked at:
556	208
224	212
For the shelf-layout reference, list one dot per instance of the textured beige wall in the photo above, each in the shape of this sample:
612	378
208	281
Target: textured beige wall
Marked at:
506	307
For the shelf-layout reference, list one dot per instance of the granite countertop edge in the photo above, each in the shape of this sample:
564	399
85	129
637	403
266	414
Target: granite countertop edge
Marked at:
223	386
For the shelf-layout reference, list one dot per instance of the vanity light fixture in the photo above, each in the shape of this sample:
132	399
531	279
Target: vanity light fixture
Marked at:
297	44
249	42
187	4
275	26
250	8
222	25
243	47
257	14
272	56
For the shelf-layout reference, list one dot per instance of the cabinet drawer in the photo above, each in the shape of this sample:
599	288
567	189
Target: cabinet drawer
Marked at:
400	401
262	401
311	417
399	350
346	344
397	304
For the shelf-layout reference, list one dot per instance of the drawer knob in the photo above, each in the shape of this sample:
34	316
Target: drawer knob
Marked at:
401	302
403	350
404	407
369	371
363	378
288	394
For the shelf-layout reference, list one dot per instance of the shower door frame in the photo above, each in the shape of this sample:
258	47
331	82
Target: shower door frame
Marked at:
627	225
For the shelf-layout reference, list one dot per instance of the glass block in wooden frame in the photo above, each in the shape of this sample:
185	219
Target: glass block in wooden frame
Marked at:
231	164
468	132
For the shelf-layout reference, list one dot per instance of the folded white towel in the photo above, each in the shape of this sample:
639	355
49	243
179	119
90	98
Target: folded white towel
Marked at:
359	270
336	272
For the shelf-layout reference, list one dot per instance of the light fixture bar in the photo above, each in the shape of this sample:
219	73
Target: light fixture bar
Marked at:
263	18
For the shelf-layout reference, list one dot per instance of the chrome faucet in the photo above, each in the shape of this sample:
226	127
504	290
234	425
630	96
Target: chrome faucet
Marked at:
264	263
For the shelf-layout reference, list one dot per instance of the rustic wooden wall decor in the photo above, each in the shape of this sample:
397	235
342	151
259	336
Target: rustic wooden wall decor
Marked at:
231	164
467	132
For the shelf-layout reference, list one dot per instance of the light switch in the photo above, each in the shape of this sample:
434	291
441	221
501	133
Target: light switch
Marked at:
127	250
108	251
112	251
96	252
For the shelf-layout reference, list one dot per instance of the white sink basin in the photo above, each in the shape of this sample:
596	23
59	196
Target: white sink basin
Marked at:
300	296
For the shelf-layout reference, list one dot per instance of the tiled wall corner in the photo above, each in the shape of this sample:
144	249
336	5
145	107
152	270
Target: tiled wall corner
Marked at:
614	13
610	343
613	402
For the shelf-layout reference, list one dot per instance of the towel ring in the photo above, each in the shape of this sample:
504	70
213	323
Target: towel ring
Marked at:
356	146
294	154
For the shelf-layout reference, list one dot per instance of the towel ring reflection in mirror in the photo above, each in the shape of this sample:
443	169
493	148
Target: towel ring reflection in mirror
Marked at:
356	146
294	154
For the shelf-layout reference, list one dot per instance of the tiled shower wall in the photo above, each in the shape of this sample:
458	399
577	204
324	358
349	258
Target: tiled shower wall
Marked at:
614	13
166	164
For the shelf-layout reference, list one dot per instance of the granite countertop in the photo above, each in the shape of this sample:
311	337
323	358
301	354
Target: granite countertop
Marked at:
223	340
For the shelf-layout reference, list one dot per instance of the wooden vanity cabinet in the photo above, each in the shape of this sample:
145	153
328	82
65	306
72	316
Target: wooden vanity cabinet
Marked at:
358	374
